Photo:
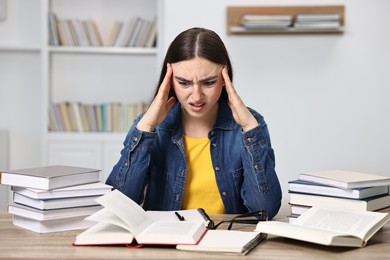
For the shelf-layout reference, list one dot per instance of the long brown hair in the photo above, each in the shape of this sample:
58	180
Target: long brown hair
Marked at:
196	42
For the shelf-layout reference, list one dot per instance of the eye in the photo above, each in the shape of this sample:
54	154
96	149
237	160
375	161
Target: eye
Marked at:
209	84
184	84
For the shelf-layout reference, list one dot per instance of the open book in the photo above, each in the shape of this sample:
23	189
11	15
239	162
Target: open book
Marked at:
122	221
329	226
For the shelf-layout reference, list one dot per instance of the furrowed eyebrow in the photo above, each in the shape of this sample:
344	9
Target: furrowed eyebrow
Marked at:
182	79
202	80
209	79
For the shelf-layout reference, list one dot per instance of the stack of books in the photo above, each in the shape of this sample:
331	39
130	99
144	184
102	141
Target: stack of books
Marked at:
317	22
54	198
260	22
341	189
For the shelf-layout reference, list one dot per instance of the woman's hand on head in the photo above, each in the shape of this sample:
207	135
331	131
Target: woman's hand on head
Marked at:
241	113
160	105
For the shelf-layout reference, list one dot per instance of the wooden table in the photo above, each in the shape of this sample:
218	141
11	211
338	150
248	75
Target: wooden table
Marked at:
18	243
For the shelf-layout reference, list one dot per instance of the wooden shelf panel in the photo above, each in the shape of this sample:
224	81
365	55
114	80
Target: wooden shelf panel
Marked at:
234	14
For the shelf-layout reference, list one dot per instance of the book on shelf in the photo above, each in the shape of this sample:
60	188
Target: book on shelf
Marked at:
226	241
317	18
53	33
266	21
49	177
317	22
113	36
90	189
52	225
122	221
47	204
104	117
329	226
369	204
345	179
152	35
300	186
41	215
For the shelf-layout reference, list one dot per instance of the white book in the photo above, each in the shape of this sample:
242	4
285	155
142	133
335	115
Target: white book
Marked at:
329	226
300	186
52	225
317	17
55	203
50	177
90	189
226	241
345	179
371	204
40	215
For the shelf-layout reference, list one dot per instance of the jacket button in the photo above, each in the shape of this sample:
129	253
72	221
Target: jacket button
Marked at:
135	139
212	132
214	145
217	168
249	140
256	167
224	193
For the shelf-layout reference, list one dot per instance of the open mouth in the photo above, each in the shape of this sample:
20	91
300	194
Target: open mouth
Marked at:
197	106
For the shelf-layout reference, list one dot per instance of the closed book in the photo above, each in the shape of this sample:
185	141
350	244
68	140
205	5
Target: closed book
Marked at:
62	203
298	209
369	204
226	241
28	212
91	189
50	177
345	179
320	189
52	225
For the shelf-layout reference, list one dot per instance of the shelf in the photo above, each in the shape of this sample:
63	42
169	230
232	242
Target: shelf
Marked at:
86	136
103	50
19	48
234	14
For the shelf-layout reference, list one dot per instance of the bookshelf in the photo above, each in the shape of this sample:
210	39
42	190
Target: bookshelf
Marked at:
235	14
93	75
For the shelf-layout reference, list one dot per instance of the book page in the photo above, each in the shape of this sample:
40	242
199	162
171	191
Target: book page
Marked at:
356	223
299	232
106	216
126	209
172	232
170	228
192	215
104	234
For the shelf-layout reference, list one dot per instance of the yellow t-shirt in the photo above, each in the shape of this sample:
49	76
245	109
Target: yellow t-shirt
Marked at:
201	190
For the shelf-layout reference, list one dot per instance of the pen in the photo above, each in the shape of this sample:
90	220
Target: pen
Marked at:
180	217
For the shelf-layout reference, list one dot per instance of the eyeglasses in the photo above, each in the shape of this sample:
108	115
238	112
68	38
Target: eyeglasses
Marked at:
260	215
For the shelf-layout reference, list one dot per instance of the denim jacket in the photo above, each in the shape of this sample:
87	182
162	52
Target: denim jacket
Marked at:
243	162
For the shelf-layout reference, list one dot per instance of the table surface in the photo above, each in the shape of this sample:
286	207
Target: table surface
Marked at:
18	243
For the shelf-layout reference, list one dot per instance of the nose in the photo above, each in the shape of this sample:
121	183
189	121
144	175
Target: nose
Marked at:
197	93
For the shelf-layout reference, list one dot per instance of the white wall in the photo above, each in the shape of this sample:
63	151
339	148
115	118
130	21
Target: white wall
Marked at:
20	83
324	97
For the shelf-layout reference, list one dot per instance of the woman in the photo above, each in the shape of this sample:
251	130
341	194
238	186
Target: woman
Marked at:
198	145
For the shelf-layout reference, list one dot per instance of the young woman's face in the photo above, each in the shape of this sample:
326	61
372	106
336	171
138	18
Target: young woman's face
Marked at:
198	85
